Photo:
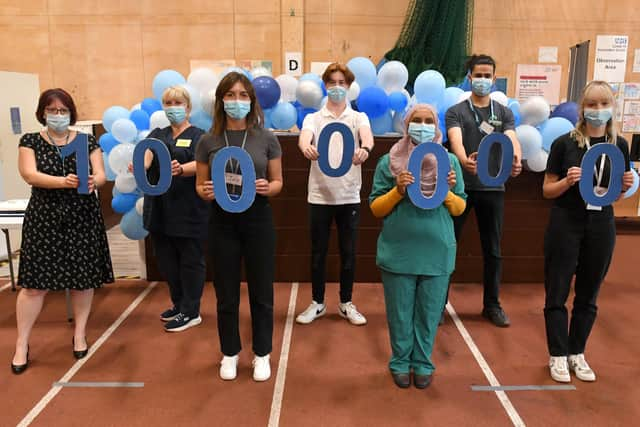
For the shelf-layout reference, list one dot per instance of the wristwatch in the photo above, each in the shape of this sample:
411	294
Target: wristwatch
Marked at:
367	149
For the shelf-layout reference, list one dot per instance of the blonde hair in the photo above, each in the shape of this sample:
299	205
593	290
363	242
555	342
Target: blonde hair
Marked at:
176	93
580	132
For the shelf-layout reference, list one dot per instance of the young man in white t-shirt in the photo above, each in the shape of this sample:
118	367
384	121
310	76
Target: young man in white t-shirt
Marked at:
333	198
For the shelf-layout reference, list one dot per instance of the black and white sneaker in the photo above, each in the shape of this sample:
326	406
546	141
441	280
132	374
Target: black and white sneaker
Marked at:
312	312
169	314
182	322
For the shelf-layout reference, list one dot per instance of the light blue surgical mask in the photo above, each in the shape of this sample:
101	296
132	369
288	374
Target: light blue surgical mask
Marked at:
598	117
58	122
176	114
337	93
237	109
481	86
422	132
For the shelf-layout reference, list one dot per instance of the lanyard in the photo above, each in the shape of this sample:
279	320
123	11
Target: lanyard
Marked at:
600	173
475	113
58	149
244	141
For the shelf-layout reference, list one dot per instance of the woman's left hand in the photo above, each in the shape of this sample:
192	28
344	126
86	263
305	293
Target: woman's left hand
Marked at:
176	168
627	181
451	179
262	186
360	156
92	183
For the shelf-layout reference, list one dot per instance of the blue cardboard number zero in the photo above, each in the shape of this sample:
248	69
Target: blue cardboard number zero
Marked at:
161	152
483	159
415	167
248	179
80	146
615	177
348	149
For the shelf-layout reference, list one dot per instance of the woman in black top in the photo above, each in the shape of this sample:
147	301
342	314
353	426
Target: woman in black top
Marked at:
248	235
580	238
177	218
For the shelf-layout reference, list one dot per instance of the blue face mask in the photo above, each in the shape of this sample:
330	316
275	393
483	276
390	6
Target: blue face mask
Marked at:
337	93
58	122
421	132
237	109
598	117
481	86
176	114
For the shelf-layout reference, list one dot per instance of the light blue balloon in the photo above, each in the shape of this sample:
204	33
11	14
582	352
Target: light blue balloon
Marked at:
124	130
311	76
284	116
451	96
237	70
201	120
132	226
165	79
634	187
552	129
383	124
429	88
112	114
364	70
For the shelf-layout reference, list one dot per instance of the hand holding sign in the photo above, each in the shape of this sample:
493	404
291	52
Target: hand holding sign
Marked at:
589	160
415	167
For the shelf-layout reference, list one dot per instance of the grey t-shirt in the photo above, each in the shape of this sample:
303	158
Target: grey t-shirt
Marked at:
462	115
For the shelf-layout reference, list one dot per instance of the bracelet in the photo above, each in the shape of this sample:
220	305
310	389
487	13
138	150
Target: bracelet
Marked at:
367	149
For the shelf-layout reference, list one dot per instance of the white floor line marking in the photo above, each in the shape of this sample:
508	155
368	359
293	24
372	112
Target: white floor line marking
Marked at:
278	390
502	396
35	411
5	287
99	384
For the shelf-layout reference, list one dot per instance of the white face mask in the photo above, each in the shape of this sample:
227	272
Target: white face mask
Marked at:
58	122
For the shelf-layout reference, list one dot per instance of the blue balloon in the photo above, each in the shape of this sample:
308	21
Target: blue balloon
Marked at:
267	118
373	101
415	167
634	187
567	110
267	91
364	70
398	101
284	116
165	79
107	142
123	202
552	129
140	118
150	105
236	70
451	96
302	113
201	120
443	126
429	88
132	226
383	124
112	114
515	109
111	175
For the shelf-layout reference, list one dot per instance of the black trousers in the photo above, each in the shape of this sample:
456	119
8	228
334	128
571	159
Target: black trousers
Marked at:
248	236
579	243
181	261
347	218
489	208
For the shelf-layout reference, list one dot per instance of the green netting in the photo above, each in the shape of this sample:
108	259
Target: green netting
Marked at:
436	35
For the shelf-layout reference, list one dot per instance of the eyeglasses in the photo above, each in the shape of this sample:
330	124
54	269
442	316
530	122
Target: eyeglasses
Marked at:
62	111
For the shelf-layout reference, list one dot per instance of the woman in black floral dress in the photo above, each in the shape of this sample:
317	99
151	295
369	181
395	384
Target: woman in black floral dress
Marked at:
64	242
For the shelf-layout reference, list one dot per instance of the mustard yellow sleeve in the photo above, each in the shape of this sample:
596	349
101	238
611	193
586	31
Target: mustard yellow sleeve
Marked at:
454	203
383	205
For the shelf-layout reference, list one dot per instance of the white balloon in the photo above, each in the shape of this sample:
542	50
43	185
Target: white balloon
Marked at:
354	91
500	97
203	80
466	95
209	102
309	94
140	205
393	76
530	140
534	111
288	85
125	182
142	135
136	107
538	161
124	130
120	157
158	120
260	71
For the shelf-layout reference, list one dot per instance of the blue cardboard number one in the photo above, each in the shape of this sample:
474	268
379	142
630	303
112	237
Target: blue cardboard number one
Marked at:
248	179
483	159
615	177
415	167
161	152
348	148
80	146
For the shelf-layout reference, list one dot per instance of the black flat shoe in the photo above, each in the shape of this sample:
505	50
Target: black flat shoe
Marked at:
421	381
401	380
78	354
18	369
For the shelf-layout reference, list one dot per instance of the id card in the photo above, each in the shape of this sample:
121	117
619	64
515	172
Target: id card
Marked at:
486	128
183	143
233	178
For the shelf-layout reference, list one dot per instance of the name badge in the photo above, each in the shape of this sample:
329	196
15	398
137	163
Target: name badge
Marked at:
486	128
233	178
594	208
184	143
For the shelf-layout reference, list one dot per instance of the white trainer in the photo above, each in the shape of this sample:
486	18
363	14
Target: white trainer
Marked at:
581	367
261	368
229	367
312	312
559	369
349	312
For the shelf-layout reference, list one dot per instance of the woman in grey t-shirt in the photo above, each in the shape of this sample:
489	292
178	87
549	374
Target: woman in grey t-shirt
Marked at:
248	235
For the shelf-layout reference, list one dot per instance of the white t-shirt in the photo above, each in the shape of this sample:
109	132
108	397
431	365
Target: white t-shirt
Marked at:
323	189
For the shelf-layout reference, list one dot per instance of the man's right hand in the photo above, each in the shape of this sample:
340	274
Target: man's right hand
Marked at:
471	164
